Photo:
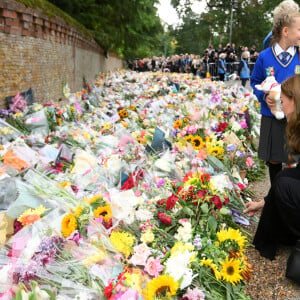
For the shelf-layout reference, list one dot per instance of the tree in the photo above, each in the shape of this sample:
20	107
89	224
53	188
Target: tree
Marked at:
128	27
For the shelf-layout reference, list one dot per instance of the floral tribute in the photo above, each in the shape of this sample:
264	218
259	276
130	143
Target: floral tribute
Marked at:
128	190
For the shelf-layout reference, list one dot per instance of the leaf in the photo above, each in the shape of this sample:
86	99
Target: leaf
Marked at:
212	223
224	211
204	208
188	211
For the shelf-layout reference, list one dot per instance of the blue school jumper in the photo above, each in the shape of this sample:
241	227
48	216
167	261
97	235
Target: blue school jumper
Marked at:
266	59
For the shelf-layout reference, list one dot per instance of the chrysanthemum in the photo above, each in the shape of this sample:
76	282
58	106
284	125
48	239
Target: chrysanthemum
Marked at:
177	124
209	263
232	234
123	242
163	286
231	270
68	225
103	211
197	142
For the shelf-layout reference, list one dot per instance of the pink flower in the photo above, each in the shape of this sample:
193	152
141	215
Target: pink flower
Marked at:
153	266
243	124
183	133
141	253
249	162
138	193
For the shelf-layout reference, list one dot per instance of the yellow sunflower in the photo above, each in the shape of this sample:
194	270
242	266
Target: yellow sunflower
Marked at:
209	263
197	142
122	241
246	269
185	120
68	225
162	286
216	151
234	235
93	199
103	211
189	138
177	124
231	270
78	211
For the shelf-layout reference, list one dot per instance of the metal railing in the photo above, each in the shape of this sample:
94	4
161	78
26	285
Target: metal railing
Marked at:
212	68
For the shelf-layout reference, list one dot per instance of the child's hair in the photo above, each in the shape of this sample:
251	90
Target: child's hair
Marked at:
285	20
244	54
285	7
290	88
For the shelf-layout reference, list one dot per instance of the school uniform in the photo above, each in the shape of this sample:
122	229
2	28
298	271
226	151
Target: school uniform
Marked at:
272	142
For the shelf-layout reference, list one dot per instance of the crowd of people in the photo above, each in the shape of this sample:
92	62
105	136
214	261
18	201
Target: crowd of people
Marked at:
206	65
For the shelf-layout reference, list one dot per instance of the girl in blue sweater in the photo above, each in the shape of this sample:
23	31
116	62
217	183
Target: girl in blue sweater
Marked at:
282	58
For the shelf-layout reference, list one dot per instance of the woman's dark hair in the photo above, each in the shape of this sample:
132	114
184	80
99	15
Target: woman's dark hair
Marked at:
290	88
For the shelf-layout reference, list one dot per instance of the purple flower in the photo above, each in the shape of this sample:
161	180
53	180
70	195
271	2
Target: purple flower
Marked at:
238	218
160	183
230	147
198	242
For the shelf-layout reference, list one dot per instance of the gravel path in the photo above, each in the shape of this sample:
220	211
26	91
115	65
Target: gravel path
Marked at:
268	279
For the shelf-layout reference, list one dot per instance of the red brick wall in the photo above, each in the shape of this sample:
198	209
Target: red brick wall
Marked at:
43	53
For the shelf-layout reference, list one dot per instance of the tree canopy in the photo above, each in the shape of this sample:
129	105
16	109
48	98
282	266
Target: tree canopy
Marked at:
130	28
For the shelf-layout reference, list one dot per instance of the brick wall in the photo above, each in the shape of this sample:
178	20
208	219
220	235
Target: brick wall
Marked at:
42	53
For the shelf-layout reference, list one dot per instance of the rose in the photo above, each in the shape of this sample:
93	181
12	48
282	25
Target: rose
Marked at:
153	266
141	253
164	218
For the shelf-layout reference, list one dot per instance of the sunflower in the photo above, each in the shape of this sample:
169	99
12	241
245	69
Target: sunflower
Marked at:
94	199
78	211
122	241
123	113
162	286
197	142
234	235
103	211
209	263
189	138
246	269
216	151
132	107
231	270
177	124
185	120
68	225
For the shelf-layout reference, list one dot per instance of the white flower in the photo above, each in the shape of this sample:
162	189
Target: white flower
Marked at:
143	214
184	232
220	182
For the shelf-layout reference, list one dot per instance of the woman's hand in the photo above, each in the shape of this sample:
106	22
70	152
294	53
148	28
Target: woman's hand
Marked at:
253	207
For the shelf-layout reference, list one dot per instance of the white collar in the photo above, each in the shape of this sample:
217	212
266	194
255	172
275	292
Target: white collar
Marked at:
278	50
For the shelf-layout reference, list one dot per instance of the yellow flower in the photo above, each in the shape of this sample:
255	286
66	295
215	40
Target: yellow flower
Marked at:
107	125
231	271
189	138
177	124
94	259
197	142
68	225
93	199
78	211
123	242
147	237
103	211
232	234
216	151
30	215
65	184
134	279
164	286
124	124
209	263
86	135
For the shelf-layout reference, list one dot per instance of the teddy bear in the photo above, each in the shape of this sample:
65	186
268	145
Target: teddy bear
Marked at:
271	86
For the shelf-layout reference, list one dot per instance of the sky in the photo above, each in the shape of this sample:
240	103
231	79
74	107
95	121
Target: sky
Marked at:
168	13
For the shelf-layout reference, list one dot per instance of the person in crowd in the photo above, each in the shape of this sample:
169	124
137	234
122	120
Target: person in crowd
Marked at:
244	70
220	49
222	66
230	60
279	221
285	7
196	63
280	60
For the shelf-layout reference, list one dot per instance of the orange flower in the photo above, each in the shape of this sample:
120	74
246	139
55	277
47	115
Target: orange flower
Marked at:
28	219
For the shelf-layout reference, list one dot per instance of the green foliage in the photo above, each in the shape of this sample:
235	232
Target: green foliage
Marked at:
130	28
252	20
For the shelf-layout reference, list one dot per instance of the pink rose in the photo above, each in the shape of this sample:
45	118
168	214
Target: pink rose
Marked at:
153	266
243	124
249	162
141	253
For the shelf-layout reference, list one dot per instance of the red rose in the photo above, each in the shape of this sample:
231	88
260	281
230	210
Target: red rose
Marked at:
164	218
226	200
171	201
217	201
200	195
